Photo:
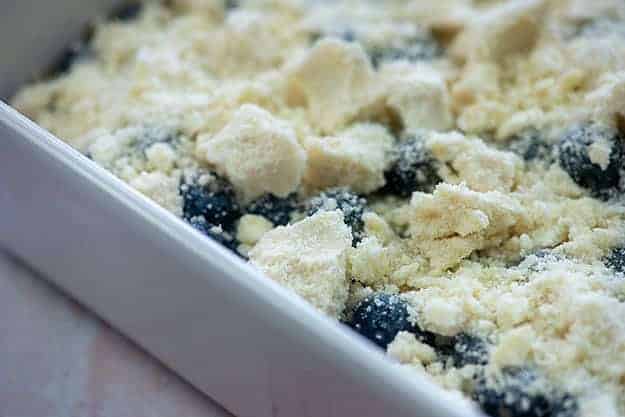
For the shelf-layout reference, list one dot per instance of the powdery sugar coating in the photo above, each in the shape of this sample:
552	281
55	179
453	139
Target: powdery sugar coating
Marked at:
483	137
310	258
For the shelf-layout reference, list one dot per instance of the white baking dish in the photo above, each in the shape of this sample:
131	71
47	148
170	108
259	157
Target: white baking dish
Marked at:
240	338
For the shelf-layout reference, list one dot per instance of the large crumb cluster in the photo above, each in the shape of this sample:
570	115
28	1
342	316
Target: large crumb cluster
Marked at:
467	156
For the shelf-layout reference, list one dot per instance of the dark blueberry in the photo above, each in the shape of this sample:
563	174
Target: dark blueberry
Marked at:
348	35
575	160
469	350
231	4
421	48
615	260
414	169
380	317
463	349
127	12
314	37
215	202
214	232
518	392
532	146
275	209
76	52
352	206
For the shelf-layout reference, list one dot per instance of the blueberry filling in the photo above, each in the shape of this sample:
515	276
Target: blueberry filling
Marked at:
575	150
77	52
414	169
352	206
615	260
214	232
275	209
463	349
532	146
379	317
127	12
231	4
518	392
215	202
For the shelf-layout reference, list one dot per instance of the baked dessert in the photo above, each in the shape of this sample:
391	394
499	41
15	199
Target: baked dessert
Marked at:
447	179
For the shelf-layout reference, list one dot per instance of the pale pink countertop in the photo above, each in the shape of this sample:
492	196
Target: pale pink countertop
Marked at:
58	360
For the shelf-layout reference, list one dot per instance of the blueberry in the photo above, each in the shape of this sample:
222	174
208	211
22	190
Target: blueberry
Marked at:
79	51
127	12
231	4
419	48
275	209
380	317
352	206
518	392
414	169
215	202
615	260
222	237
574	158
463	349
469	350
349	35
532	146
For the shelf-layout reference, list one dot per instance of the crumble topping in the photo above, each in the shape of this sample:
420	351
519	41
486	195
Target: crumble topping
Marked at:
445	178
356	158
257	152
310	258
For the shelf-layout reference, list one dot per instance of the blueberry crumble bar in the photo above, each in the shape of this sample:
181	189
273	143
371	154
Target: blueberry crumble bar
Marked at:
446	178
